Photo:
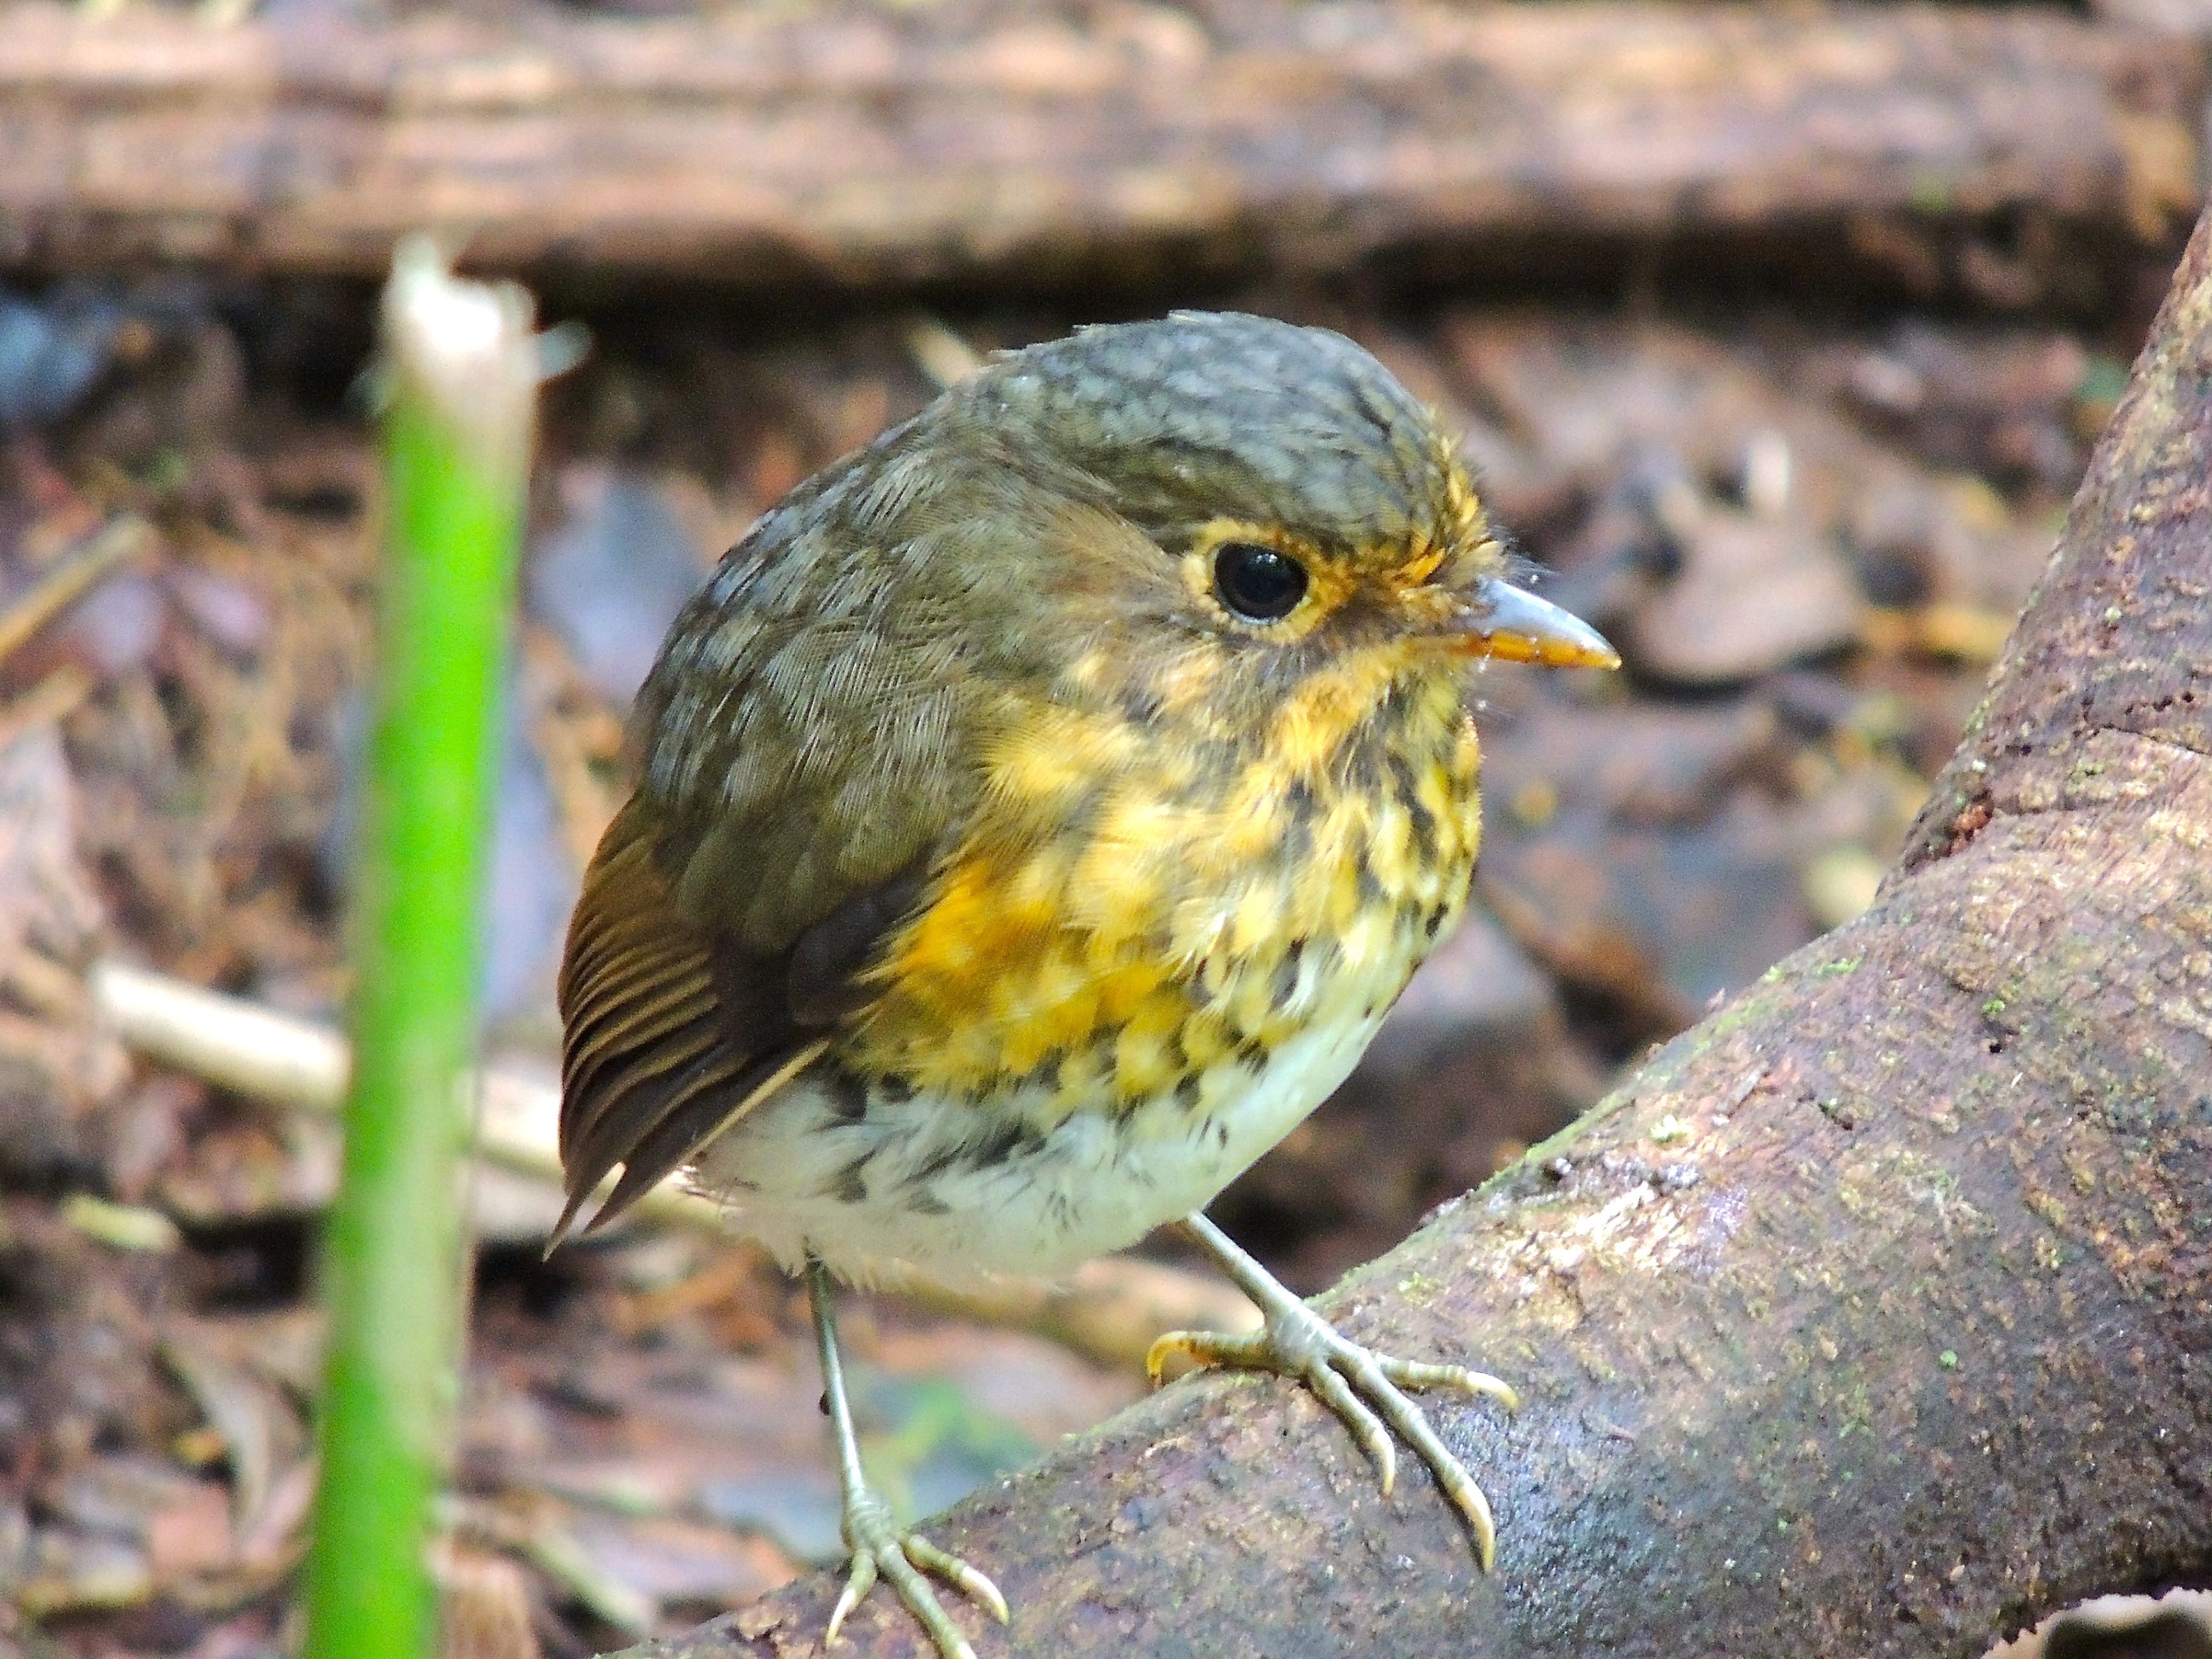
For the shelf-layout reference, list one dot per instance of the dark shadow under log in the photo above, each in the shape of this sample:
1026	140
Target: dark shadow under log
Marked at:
1873	1317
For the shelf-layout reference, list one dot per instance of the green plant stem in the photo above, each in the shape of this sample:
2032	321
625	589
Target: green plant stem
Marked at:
460	381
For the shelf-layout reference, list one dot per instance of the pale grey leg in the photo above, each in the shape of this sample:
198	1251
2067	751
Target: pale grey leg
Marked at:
874	1538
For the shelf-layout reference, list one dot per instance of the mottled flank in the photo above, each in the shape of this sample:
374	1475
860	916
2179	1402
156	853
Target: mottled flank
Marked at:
1199	909
1031	887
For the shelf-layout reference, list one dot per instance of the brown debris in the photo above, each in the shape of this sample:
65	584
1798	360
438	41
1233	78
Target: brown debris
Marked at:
1809	537
55	1067
485	1610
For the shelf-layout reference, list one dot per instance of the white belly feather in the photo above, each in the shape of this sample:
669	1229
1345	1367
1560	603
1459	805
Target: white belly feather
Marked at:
902	1184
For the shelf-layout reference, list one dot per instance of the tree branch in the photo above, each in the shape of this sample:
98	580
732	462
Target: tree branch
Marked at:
1874	1316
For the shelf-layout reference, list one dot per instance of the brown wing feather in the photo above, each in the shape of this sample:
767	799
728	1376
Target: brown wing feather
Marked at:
806	760
641	1023
671	1033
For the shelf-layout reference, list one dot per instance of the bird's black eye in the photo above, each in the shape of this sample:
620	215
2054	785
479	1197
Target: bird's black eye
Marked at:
1259	583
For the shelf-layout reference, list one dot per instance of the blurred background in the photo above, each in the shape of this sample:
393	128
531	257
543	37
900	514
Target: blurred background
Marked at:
1780	336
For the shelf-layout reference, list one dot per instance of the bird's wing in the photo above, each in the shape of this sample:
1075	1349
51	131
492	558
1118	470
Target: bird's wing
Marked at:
802	774
672	1030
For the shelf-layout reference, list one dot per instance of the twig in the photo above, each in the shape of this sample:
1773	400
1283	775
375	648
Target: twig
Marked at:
259	1052
1108	1311
51	699
75	574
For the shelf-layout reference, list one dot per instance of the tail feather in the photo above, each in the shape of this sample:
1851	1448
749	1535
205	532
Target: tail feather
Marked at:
657	1049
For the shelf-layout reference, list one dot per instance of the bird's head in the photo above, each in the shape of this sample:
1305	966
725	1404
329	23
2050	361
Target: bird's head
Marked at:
1220	518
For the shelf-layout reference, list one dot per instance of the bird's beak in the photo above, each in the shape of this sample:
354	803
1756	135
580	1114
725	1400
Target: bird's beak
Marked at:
1513	624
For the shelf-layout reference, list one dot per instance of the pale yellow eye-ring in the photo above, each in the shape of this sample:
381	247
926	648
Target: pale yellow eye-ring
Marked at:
1261	578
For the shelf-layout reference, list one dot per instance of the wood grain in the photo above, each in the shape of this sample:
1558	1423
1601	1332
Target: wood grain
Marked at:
1872	1316
859	145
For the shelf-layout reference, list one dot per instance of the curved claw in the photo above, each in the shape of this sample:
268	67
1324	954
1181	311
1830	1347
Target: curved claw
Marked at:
1363	1388
1197	1346
1451	1477
971	1582
859	1579
879	1548
1478	1385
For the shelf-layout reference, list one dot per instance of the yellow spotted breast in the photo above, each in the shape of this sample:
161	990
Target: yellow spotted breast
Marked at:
1140	902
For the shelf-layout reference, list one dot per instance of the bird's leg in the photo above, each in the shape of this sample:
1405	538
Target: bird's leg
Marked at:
878	1544
1364	1388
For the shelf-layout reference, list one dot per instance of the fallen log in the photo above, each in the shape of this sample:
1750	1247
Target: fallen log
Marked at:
1872	1316
897	144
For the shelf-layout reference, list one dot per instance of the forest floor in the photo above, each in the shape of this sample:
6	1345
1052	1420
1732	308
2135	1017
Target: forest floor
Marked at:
1808	531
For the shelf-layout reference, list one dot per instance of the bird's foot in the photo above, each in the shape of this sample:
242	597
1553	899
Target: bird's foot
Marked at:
879	1547
1364	1388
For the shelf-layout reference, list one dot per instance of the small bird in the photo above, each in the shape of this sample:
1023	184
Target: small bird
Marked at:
1038	811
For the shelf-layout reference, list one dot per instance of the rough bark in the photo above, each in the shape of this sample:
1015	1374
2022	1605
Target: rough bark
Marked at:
898	144
1873	1317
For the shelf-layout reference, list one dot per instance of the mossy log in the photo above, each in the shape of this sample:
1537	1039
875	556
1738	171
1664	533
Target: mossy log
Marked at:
1125	142
1872	1316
